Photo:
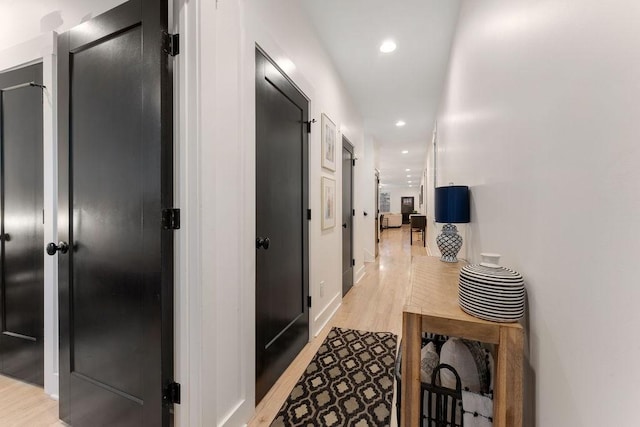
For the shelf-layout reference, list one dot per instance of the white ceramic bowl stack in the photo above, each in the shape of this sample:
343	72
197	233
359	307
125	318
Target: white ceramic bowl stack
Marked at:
491	292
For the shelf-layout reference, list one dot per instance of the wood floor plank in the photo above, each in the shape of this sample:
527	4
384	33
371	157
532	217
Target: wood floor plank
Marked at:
26	405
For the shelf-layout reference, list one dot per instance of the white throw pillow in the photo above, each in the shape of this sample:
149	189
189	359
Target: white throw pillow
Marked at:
429	359
471	362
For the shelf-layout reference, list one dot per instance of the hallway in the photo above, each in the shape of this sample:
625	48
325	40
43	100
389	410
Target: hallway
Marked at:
373	304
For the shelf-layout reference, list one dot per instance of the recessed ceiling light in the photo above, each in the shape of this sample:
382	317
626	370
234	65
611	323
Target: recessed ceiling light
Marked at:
408	176
387	46
405	151
400	123
410	185
409	182
407	170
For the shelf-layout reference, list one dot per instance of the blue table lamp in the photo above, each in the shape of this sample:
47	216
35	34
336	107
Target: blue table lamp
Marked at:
452	207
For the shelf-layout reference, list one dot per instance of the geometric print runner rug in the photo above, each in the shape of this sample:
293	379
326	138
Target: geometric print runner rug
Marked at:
349	382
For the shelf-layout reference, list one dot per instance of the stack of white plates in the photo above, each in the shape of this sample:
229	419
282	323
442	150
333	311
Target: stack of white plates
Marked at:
491	292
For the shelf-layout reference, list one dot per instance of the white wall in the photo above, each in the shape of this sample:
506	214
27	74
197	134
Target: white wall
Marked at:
366	186
228	32
540	118
25	20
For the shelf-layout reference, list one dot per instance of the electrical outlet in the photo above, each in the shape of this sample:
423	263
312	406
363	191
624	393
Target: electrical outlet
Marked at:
322	289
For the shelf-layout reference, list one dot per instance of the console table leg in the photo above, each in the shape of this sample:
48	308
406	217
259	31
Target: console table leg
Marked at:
508	381
411	343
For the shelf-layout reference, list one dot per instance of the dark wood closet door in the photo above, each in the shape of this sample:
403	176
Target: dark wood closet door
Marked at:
282	265
22	234
115	179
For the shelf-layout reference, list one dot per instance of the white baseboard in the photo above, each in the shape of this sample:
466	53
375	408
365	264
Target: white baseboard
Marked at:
55	379
336	302
359	274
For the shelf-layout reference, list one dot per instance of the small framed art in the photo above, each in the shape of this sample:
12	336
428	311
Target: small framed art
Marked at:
328	203
328	143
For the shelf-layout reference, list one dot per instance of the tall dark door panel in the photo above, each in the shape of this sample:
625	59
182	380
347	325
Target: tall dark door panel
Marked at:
347	216
22	230
282	256
406	208
115	179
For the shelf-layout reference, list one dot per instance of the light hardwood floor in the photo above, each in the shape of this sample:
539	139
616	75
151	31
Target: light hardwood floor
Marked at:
373	304
25	405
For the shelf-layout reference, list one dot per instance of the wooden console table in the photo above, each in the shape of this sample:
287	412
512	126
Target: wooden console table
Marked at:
432	306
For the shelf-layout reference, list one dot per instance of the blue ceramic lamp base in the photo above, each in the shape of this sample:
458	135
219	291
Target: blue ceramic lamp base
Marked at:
449	243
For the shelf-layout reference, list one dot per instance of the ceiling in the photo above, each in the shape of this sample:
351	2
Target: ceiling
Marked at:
402	85
387	87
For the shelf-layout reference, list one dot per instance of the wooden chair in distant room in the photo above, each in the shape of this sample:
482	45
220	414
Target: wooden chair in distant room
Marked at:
418	224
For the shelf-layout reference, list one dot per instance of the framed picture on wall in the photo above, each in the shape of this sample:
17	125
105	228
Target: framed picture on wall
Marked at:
328	192
328	143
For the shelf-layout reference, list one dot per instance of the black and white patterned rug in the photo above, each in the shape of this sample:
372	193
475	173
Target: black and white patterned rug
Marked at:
349	382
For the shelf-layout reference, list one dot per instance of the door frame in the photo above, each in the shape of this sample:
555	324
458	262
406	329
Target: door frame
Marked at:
27	73
346	144
43	50
304	176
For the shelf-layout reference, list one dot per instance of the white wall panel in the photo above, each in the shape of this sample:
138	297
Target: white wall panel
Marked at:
540	119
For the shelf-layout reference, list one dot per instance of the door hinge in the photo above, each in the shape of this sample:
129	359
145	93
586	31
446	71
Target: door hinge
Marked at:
353	162
171	219
171	44
309	301
309	214
353	262
353	212
171	393
309	125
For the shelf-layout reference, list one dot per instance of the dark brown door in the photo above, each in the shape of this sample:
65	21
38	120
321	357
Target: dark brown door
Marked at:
282	261
377	190
22	232
406	208
347	216
115	179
